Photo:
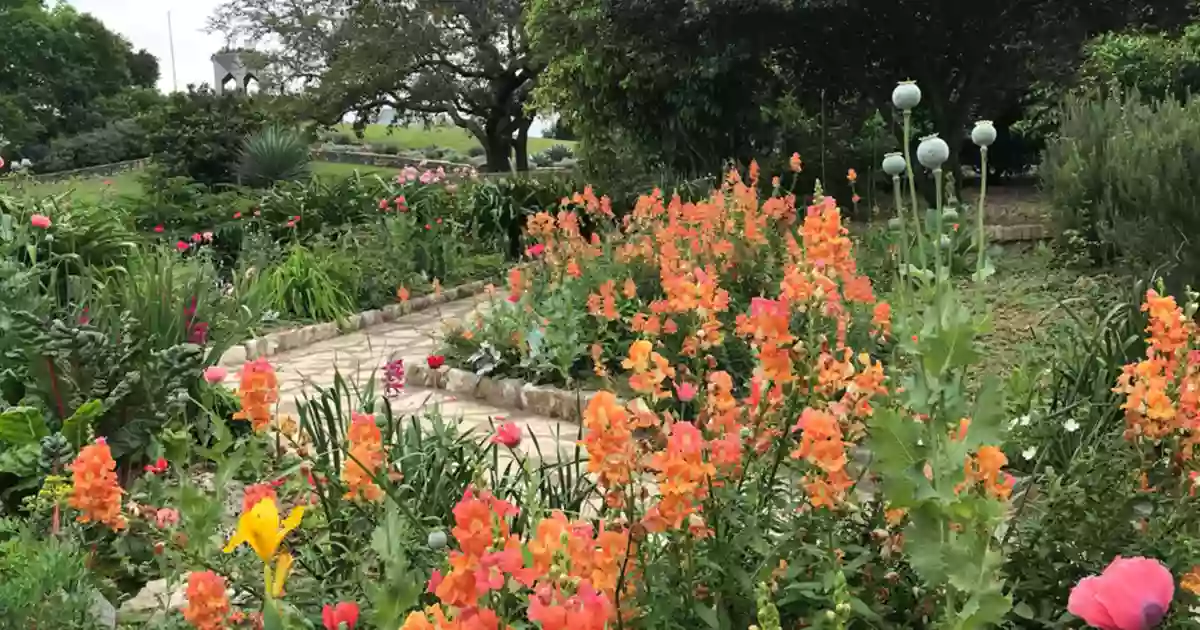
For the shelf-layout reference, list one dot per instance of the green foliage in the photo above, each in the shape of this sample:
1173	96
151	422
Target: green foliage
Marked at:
272	155
200	134
117	142
1157	65
1121	177
46	581
303	287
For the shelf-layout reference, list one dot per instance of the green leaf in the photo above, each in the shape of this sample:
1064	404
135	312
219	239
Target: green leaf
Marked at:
272	620
707	615
77	428
22	425
987	419
21	461
1023	611
894	443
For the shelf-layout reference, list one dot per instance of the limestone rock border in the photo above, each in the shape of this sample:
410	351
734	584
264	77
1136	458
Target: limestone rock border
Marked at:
294	338
508	393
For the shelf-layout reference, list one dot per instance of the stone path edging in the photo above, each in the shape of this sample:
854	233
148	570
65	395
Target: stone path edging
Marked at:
295	338
507	393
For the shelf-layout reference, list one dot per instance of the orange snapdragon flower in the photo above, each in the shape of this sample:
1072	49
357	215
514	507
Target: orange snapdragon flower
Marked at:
683	476
823	446
95	491
365	458
986	468
609	443
255	493
649	368
258	391
207	603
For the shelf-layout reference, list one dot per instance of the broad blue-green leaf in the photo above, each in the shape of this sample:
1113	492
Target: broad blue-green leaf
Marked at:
79	425
22	425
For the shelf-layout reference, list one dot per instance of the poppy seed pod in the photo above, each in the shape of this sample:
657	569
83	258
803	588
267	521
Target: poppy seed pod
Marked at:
933	152
894	223
437	539
949	214
984	133
944	241
906	95
893	164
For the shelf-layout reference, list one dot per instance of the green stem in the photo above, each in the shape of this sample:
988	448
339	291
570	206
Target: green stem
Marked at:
912	186
937	222
979	234
904	244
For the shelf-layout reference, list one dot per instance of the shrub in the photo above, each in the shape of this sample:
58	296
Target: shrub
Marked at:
272	155
476	151
1121	175
200	134
305	286
558	152
116	142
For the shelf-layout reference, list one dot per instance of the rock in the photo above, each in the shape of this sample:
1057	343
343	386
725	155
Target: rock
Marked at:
321	332
372	318
500	392
391	312
542	401
103	613
418	374
437	378
418	304
461	381
149	601
251	347
234	356
572	404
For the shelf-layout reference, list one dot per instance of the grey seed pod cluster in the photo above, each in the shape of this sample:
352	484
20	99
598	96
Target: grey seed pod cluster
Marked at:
933	152
984	133
906	95
893	164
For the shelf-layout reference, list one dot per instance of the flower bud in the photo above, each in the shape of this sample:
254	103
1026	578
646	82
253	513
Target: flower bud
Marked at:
944	241
984	133
893	164
906	95
950	214
933	152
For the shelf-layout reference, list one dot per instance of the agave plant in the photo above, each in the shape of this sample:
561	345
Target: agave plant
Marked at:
274	154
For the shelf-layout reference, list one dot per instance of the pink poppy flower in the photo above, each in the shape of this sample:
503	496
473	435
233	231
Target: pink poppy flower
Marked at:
166	517
158	229
208	237
383	204
197	237
436	361
215	374
685	391
507	434
344	614
237	215
535	250
40	221
182	246
1131	594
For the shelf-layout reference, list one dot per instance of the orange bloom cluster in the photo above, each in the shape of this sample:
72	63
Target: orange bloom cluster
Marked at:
571	570
821	445
258	391
683	476
95	491
207	603
612	455
986	468
649	369
1162	391
364	459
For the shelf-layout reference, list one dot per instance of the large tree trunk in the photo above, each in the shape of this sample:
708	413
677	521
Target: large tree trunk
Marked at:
522	144
497	146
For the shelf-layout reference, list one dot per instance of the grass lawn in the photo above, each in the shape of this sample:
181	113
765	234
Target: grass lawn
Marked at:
418	137
91	188
338	169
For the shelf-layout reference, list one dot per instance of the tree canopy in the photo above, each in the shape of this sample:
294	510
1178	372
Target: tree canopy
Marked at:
466	61
58	64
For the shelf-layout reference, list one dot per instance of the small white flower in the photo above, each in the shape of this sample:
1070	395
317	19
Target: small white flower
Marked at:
1024	420
1029	453
1071	426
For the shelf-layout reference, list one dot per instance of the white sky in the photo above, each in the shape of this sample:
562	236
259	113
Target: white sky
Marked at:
144	23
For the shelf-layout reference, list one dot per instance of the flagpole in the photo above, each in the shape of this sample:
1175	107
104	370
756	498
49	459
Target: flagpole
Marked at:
171	39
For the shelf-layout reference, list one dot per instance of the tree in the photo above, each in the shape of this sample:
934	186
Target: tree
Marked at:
466	61
697	83
57	64
143	69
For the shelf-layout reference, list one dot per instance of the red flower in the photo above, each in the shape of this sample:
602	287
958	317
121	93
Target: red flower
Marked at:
158	229
439	221
237	215
507	434
158	467
383	204
197	237
685	391
1131	594
343	613
181	246
535	251
428	227
436	361
40	221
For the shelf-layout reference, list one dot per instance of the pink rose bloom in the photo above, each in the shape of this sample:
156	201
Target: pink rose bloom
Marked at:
507	434
166	517
685	391
40	221
215	374
1131	594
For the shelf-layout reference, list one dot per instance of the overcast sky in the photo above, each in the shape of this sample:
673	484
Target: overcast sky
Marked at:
144	23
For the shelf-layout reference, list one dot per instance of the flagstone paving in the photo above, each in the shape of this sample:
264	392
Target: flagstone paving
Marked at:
360	356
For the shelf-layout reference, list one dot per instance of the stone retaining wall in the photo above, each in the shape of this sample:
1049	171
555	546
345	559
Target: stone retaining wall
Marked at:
92	171
388	160
507	393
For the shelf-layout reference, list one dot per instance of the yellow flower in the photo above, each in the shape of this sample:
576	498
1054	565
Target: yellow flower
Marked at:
283	567
261	529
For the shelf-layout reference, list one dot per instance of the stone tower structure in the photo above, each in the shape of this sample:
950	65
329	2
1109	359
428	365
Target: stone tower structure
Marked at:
231	65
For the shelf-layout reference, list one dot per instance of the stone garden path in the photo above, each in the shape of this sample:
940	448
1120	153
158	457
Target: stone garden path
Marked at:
360	356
